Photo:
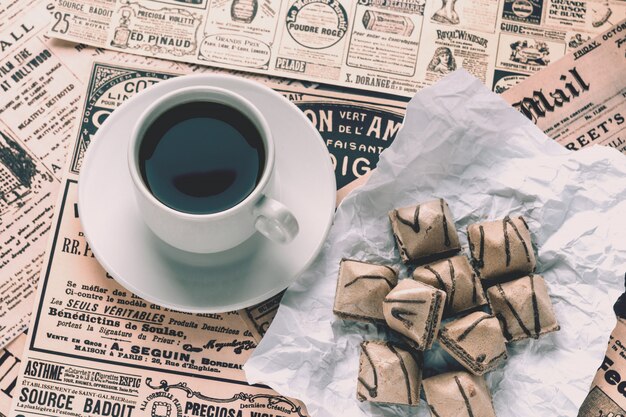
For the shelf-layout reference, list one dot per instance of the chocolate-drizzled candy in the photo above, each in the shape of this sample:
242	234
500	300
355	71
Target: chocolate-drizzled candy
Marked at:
457	278
424	232
414	310
476	341
389	374
361	288
523	307
501	248
458	394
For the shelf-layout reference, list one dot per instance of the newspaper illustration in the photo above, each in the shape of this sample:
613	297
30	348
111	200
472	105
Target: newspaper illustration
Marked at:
580	100
393	47
157	361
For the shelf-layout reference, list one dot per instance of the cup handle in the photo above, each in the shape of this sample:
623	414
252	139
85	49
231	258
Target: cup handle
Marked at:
275	221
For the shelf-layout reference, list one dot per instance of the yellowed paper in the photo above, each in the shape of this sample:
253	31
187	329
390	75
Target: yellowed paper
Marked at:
580	100
394	47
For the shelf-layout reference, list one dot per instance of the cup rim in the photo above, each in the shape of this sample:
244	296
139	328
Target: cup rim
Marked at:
214	95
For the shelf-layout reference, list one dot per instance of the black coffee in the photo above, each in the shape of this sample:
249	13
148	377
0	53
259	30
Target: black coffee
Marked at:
201	157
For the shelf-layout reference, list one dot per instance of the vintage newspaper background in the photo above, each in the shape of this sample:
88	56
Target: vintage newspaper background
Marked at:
40	91
41	82
173	362
581	99
395	46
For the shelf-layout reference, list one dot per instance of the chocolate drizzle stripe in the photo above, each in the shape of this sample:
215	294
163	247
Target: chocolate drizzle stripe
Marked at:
497	358
369	277
400	313
507	220
445	224
481	254
373	391
513	311
440	280
389	268
453	279
396	300
404	371
505	326
471	327
401	248
475	289
416	219
415	226
535	306
462	391
507	244
524	222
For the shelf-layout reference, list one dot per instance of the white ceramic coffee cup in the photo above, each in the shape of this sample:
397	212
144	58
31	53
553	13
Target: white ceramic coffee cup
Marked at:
215	232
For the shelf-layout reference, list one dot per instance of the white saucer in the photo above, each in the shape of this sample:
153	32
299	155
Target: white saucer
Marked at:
231	280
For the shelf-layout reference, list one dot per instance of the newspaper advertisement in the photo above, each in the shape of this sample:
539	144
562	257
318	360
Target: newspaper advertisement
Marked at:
580	101
396	47
95	348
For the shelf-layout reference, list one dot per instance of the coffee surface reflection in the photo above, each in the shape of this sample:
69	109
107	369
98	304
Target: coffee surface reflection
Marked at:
201	157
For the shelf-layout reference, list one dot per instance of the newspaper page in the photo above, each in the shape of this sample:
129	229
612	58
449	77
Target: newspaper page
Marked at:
580	100
395	47
95	348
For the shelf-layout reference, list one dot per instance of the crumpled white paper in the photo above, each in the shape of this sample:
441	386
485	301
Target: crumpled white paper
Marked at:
465	144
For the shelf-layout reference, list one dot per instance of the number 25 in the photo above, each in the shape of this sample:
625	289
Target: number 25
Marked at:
62	24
